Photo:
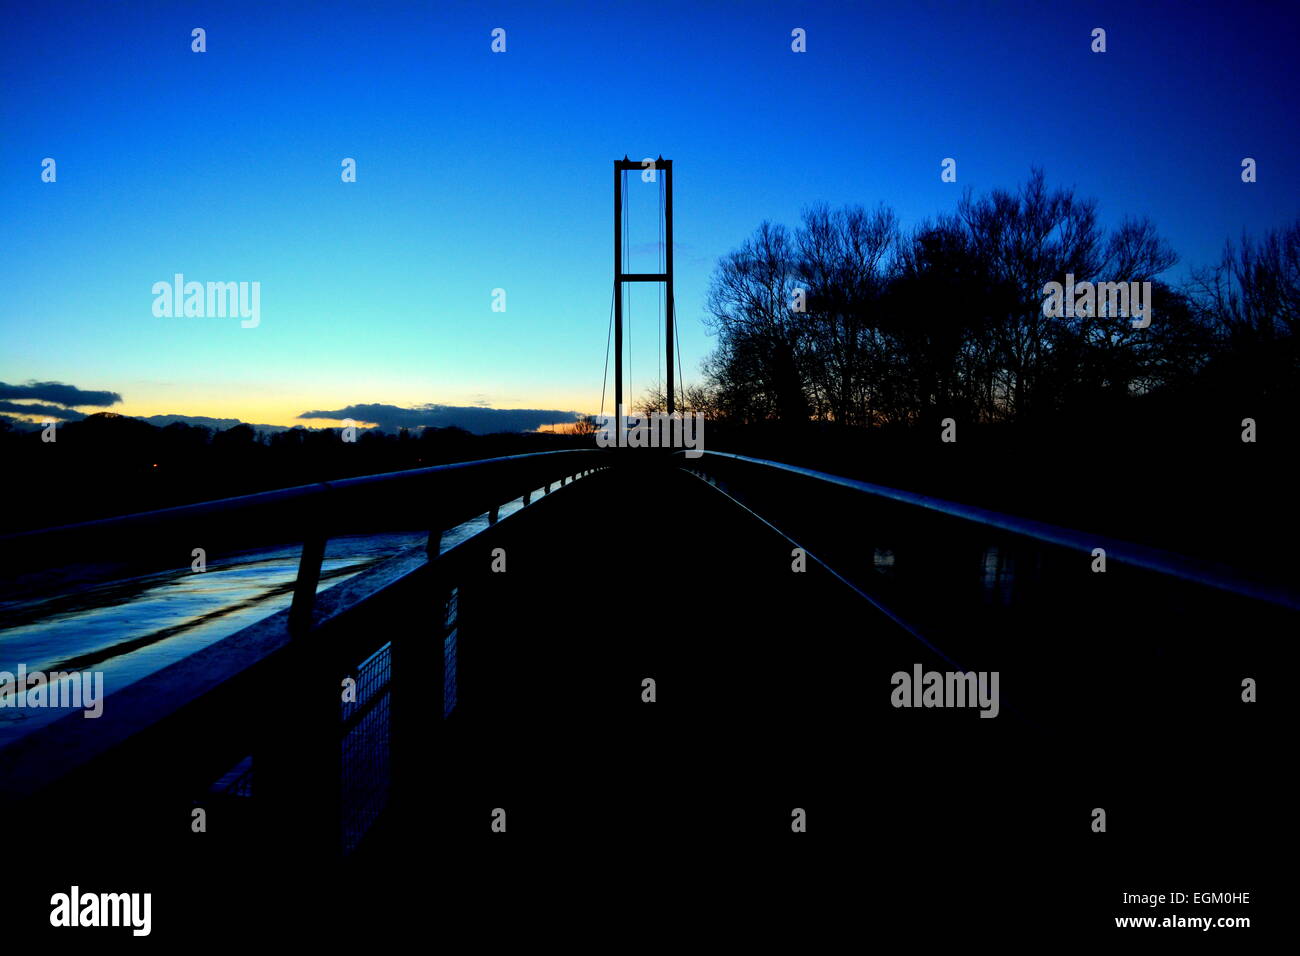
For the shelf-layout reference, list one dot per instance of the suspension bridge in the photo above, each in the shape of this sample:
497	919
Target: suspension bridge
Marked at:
649	630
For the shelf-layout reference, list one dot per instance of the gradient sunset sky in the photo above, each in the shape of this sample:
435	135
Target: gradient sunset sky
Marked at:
478	170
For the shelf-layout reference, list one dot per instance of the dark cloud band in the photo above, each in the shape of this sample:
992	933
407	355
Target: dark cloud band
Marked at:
60	394
479	421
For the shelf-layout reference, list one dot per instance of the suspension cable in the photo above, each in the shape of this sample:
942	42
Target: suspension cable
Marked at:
609	335
681	380
627	264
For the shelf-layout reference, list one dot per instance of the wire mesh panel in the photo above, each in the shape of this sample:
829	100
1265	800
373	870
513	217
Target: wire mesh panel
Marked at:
366	769
450	632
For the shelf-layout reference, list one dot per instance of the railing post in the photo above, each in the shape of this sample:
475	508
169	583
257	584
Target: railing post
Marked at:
297	760
304	586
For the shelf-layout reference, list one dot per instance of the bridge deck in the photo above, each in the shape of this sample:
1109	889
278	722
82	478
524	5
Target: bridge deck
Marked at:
772	694
762	697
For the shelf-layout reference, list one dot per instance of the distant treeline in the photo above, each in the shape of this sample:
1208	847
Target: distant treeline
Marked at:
849	320
108	464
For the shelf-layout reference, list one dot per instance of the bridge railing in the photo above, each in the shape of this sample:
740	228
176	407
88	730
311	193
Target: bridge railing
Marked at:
1053	608
271	690
435	498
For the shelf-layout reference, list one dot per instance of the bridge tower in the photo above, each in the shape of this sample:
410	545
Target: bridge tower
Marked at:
660	167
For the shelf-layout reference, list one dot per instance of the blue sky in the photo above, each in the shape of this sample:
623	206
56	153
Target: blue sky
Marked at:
478	171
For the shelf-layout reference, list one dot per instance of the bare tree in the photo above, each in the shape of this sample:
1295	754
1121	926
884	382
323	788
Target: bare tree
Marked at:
586	426
850	322
750	303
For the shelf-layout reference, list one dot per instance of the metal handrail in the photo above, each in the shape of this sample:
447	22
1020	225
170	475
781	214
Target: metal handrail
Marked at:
442	495
1207	573
43	757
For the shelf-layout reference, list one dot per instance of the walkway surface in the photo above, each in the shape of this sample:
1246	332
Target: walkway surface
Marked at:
769	697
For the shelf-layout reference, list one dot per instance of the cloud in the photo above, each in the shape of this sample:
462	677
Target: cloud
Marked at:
45	411
472	418
60	394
